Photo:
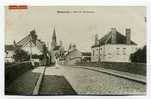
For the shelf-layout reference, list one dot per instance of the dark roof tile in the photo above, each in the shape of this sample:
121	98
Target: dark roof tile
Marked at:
86	53
9	47
120	39
56	48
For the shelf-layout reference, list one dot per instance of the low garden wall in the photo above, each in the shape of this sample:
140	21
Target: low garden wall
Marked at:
135	68
12	71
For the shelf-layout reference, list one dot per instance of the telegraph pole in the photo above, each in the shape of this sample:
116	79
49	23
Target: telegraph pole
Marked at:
99	54
30	51
30	48
97	43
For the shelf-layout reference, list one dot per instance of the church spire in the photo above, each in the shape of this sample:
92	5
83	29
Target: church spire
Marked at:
54	35
54	39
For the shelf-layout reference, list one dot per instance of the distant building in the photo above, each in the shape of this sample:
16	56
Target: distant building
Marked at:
113	47
86	56
73	56
57	51
34	47
54	40
9	53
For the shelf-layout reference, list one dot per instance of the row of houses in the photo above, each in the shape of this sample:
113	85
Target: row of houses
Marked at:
112	47
70	56
73	55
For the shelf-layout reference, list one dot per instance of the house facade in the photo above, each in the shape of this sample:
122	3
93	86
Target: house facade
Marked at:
73	56
86	56
9	53
113	47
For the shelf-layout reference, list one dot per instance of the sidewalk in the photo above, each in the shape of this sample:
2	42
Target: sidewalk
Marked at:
24	84
134	77
55	83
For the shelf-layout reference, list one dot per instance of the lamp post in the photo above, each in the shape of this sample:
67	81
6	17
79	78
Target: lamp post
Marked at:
99	55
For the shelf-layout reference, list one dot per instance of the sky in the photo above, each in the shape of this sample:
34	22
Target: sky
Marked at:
75	24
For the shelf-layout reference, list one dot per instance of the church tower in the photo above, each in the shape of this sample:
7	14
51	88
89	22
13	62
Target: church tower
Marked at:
54	40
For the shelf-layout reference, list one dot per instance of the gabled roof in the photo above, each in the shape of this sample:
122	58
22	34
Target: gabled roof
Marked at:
86	53
56	48
72	51
120	39
9	47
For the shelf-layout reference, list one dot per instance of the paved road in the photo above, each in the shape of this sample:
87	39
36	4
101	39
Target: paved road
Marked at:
67	80
84	81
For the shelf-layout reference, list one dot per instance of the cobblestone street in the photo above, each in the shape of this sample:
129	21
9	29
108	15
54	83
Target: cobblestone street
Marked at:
74	80
90	82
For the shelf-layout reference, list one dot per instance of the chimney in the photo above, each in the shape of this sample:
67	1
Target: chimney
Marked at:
128	36
96	39
73	47
113	32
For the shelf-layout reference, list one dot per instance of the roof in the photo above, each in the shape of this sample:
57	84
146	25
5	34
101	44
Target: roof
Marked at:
56	48
86	53
120	39
9	47
72	51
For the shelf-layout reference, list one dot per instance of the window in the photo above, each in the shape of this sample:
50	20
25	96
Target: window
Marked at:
117	51
93	52
109	53
109	57
124	51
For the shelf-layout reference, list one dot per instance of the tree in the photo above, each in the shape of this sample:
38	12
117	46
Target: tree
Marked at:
139	55
21	55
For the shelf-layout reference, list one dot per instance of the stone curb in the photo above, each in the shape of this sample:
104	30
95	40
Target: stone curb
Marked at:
134	77
37	87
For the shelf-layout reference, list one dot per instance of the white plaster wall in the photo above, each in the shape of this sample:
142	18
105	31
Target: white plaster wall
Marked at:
73	61
75	53
113	53
95	57
9	56
35	50
118	52
74	57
